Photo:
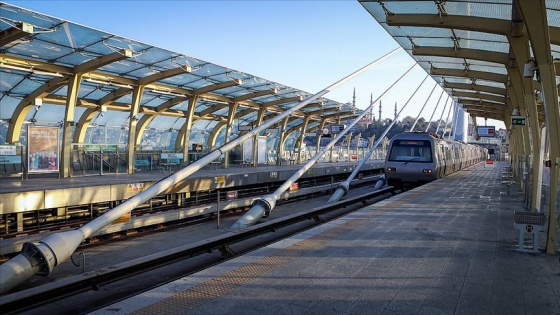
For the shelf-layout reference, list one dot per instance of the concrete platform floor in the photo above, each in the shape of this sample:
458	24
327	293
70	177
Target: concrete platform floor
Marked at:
448	247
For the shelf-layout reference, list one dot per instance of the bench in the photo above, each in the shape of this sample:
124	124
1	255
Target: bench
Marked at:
214	165
532	223
168	163
169	166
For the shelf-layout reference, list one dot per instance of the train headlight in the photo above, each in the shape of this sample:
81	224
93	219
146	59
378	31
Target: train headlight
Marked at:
427	171
391	169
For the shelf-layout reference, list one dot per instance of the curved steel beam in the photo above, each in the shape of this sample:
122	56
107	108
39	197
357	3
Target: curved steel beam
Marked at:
480	96
21	110
463	53
472	74
469	23
475	87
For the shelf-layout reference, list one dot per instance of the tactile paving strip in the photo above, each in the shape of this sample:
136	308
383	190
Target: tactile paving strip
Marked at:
223	284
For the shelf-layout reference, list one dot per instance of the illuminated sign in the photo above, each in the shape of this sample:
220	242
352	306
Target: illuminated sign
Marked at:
518	120
486	131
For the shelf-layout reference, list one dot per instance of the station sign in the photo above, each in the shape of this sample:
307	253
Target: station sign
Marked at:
169	156
100	147
518	120
311	134
336	129
486	131
245	127
7	150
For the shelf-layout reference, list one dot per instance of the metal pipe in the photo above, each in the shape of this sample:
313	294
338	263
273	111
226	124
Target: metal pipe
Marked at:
58	247
261	207
422	109
343	188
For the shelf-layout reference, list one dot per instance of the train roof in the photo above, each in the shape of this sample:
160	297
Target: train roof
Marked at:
417	135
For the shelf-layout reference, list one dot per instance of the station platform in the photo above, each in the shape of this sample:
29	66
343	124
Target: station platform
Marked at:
448	247
38	182
50	192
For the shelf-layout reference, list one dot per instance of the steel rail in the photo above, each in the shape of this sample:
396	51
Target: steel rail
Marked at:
43	256
35	297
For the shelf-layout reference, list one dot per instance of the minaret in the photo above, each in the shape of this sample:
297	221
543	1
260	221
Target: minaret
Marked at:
379	111
371	115
395	110
354	98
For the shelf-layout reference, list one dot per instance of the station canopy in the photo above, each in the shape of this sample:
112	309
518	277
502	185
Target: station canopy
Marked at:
40	54
465	45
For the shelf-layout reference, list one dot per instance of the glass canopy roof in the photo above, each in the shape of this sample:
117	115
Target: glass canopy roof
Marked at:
418	26
56	48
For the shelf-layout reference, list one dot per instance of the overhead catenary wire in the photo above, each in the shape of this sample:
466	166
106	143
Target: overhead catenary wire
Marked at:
442	112
453	118
343	188
422	109
263	206
447	120
437	105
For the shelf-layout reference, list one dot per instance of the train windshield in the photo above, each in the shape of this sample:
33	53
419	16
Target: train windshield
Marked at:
411	150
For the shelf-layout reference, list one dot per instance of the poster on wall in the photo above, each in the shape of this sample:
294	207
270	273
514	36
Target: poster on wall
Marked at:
42	149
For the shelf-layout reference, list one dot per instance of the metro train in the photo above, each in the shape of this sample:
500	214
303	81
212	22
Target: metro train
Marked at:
415	158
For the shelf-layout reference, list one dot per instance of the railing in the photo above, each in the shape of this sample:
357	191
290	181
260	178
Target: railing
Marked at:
101	159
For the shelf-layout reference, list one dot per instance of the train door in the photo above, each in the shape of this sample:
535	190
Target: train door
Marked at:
443	161
439	163
448	161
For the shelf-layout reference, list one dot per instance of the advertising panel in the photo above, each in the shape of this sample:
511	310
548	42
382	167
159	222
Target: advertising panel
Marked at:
486	131
42	149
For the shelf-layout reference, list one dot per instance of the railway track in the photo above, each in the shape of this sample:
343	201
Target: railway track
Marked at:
91	290
158	215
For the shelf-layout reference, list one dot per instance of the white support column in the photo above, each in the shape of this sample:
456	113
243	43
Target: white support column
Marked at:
132	121
74	82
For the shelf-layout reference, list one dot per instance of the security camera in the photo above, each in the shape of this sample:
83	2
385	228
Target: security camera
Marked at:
529	69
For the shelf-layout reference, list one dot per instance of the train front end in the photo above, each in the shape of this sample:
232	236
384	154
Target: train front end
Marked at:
410	160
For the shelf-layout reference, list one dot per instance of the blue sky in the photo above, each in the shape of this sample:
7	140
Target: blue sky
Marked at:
307	45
